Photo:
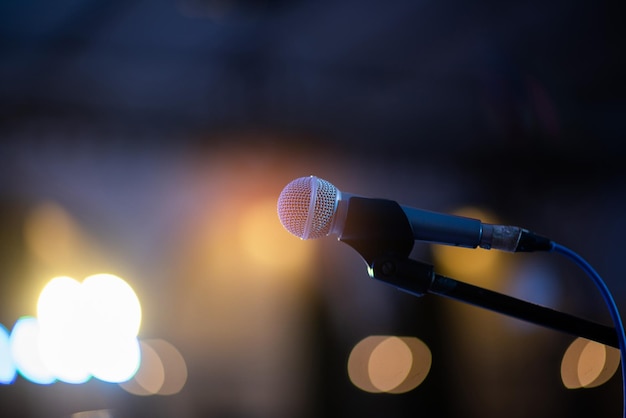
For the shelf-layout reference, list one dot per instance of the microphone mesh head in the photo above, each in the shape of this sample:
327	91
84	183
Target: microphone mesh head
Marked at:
306	207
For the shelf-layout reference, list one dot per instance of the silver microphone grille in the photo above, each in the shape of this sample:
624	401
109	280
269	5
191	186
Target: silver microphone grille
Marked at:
306	207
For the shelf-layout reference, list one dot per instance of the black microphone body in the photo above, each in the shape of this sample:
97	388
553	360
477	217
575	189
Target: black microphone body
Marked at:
472	233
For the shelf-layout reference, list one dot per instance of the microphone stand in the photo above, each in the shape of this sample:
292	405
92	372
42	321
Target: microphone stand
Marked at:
380	232
418	278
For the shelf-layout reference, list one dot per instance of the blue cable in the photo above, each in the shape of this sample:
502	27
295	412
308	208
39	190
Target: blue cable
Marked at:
608	298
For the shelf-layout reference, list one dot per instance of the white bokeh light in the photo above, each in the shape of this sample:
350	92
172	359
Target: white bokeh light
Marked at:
61	320
58	306
87	329
114	359
111	305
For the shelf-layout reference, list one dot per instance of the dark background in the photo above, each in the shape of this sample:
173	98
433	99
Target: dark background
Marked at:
147	118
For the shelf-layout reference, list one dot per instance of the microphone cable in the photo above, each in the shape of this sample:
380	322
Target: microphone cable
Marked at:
608	298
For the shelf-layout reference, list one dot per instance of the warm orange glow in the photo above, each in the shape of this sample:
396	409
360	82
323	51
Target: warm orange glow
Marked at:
242	281
267	243
389	364
588	364
479	265
591	361
51	234
358	362
421	360
59	245
611	365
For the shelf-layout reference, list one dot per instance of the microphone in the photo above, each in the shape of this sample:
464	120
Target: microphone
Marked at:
383	232
310	208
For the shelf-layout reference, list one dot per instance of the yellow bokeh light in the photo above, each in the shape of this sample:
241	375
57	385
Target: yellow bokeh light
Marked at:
611	364
389	364
420	365
358	362
591	362
569	363
588	364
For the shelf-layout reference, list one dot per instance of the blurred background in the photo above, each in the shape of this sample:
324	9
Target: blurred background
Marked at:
143	148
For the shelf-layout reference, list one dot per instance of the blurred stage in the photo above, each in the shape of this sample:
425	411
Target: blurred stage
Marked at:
150	140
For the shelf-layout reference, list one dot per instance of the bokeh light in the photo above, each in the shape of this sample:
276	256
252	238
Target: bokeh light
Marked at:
7	367
174	366
588	364
389	364
162	371
81	330
58	305
421	360
25	351
150	376
62	345
114	358
358	363
111	305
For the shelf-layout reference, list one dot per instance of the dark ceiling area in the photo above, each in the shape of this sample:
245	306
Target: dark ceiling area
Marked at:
461	77
155	131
